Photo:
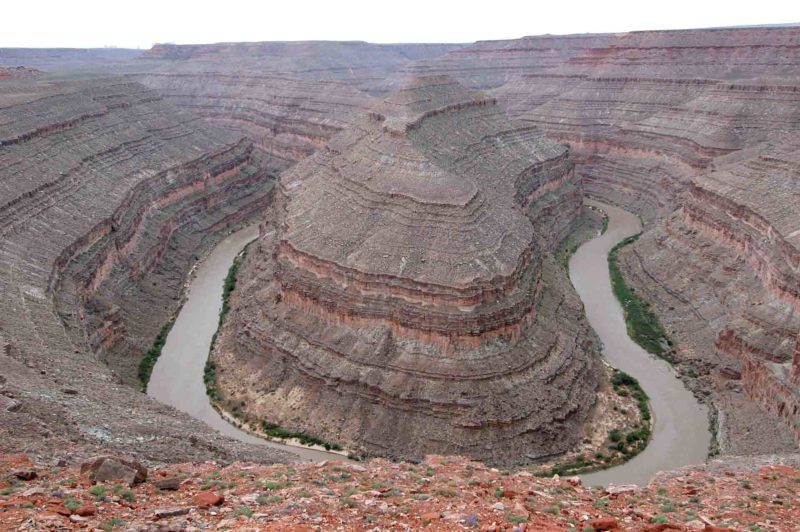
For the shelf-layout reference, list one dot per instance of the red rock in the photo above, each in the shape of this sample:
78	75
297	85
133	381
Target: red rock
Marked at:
86	510
207	499
712	528
604	523
430	516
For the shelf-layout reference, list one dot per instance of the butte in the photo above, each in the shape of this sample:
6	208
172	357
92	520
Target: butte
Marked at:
403	298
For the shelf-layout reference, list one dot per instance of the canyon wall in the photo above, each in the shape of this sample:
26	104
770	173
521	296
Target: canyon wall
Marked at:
403	300
107	196
652	119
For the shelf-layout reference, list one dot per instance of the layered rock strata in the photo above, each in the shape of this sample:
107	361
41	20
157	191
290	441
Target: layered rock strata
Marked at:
107	195
287	118
735	302
651	118
403	298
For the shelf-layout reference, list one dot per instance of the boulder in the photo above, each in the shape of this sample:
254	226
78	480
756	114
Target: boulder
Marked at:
604	523
169	484
207	499
114	469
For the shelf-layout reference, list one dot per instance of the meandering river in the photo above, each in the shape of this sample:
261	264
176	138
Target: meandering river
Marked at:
680	436
177	378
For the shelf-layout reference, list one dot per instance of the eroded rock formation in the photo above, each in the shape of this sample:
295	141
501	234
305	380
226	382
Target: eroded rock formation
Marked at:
696	119
107	193
403	297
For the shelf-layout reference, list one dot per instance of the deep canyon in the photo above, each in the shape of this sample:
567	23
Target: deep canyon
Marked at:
405	295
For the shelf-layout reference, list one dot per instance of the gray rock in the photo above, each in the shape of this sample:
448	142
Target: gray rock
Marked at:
112	468
163	513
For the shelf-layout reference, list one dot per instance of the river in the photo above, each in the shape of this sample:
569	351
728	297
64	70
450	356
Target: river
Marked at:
177	378
680	434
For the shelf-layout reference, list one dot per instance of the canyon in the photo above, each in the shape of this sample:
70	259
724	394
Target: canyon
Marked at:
404	295
401	283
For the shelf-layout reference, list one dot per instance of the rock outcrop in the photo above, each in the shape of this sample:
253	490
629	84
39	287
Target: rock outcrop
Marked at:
107	196
403	297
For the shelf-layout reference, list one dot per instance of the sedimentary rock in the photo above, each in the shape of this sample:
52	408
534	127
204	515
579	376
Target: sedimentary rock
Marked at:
107	194
286	118
704	120
363	65
734	303
403	297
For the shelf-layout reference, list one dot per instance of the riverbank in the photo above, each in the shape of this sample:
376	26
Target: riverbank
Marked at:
177	376
680	435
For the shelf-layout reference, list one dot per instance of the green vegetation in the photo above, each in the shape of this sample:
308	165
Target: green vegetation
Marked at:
149	360
72	504
604	228
98	492
275	431
245	511
624	445
644	328
516	519
112	523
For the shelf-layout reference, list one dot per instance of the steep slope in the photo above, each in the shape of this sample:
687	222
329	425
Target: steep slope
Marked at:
107	194
403	298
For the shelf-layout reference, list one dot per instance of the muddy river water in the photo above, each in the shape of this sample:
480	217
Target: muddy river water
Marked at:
680	435
177	378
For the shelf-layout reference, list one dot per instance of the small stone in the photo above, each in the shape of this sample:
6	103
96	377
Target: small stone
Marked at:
164	513
77	519
574	481
499	506
613	489
357	468
430	516
86	510
604	523
169	484
207	499
25	474
30	492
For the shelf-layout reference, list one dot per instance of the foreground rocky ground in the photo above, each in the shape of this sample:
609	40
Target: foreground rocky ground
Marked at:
439	494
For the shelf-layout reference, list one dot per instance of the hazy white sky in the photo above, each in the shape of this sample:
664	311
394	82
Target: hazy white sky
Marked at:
140	23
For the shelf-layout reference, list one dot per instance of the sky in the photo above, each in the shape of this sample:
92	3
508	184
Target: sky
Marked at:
141	23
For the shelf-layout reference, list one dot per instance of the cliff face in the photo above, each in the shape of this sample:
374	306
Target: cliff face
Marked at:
401	299
642	111
365	66
106	194
735	300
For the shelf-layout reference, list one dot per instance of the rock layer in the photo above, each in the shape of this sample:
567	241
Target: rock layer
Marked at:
106	194
403	299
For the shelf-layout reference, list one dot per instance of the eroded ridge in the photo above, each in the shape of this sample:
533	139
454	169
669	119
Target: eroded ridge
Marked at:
402	299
